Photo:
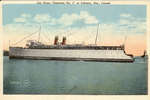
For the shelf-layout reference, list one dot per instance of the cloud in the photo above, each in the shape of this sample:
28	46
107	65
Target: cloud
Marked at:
131	24
91	20
23	18
128	17
40	18
66	19
26	15
88	19
124	22
119	29
84	16
122	26
125	15
20	20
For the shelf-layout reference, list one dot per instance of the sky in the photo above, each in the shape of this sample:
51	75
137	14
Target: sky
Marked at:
118	24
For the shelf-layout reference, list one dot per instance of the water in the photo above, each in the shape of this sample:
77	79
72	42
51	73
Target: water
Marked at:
74	77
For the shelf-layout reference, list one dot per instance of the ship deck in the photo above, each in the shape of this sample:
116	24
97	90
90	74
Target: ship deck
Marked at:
77	47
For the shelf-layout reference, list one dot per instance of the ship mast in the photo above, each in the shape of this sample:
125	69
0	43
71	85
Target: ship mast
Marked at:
39	34
125	40
96	35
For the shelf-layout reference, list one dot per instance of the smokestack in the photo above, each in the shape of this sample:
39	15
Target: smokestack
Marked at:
56	40
64	41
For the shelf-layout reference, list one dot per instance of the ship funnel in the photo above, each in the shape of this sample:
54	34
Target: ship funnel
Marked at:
56	40
63	41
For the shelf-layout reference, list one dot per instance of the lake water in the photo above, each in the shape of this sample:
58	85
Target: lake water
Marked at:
74	77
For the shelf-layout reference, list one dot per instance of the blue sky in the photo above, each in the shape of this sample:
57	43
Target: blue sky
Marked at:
104	13
77	22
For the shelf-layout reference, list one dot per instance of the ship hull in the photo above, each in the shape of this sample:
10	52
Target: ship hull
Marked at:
70	55
71	59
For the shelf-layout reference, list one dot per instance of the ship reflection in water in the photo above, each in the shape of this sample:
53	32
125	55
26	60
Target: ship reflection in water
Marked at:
74	77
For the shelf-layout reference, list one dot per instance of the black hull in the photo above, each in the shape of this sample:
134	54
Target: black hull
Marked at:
72	59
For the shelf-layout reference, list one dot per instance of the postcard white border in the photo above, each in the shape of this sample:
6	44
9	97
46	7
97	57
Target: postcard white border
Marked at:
74	97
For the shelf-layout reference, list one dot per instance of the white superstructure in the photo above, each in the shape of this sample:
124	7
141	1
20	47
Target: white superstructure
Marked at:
69	54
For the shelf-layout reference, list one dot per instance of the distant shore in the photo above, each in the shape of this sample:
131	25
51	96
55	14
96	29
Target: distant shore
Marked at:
5	53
